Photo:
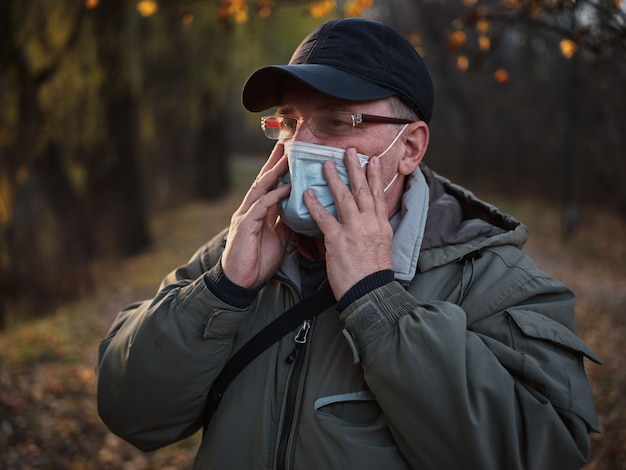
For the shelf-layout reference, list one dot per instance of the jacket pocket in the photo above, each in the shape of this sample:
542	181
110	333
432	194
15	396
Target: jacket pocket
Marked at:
552	362
355	407
353	429
539	326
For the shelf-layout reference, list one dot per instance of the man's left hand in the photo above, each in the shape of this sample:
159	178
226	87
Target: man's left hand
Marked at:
359	243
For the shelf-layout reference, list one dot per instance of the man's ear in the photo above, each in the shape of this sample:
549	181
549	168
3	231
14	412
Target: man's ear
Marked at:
415	139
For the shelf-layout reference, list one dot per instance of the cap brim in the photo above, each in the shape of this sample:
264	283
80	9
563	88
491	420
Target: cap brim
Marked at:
263	90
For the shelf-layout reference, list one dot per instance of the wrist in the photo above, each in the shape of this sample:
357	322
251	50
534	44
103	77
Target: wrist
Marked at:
364	286
226	290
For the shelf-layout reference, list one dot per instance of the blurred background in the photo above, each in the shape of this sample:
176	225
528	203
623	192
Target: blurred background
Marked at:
121	126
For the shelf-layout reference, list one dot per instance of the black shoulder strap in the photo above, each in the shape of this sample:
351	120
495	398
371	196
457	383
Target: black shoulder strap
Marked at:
288	321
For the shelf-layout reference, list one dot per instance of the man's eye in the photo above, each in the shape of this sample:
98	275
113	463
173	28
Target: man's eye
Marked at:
336	123
288	124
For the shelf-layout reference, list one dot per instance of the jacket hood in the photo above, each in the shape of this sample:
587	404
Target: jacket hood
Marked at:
458	224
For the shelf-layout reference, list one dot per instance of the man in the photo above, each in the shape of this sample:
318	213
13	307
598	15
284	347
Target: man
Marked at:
447	348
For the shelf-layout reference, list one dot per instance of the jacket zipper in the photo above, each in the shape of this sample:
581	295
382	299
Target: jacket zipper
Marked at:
296	358
303	332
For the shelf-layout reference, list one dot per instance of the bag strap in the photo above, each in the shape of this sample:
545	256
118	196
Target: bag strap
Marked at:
306	309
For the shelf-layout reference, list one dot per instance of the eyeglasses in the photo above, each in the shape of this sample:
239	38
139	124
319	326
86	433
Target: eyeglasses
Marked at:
339	124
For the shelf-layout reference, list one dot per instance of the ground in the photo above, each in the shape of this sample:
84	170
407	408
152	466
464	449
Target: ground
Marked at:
48	416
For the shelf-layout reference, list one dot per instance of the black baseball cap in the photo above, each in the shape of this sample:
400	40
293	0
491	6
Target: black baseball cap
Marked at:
353	59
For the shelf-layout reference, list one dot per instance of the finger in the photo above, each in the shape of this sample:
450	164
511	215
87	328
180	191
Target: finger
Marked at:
344	201
349	201
277	152
262	213
277	195
275	167
324	219
359	184
375	179
266	206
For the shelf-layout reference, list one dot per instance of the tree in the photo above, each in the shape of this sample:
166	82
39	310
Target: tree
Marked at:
115	181
104	118
528	92
32	177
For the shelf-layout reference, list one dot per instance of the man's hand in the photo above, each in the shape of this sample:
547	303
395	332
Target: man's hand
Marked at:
257	238
359	243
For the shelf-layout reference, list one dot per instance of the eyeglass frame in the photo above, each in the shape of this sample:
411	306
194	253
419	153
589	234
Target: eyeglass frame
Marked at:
357	118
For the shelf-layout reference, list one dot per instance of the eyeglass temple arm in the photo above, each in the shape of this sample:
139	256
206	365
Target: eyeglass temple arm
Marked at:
359	118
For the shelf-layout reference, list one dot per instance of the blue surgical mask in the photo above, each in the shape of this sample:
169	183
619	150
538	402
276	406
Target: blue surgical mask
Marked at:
305	171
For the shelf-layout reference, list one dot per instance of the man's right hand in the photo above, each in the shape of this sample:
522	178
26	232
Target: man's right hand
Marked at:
257	238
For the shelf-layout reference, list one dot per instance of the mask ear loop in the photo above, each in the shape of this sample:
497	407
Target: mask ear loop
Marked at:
395	177
395	139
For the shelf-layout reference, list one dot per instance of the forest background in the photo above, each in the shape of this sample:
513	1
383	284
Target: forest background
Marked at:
114	112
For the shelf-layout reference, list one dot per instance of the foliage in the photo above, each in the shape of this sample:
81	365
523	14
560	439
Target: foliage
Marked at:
512	111
596	27
111	111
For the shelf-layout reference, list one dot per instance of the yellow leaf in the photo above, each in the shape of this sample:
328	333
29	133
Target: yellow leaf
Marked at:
501	76
241	15
462	62
483	25
568	48
357	7
147	7
235	9
457	38
484	42
322	8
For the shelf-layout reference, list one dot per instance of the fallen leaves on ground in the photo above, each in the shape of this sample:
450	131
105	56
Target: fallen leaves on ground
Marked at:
48	416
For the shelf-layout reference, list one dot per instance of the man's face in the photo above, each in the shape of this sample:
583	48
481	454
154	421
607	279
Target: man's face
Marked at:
369	139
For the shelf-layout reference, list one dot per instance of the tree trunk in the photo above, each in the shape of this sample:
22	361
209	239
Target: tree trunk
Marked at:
115	177
212	154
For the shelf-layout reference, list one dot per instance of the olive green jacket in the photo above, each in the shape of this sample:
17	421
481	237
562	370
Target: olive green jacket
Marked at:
474	363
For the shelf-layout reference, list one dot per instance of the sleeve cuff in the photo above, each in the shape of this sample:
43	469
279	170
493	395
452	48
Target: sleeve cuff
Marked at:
365	285
226	290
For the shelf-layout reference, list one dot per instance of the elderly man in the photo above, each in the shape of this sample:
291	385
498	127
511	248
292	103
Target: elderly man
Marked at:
440	345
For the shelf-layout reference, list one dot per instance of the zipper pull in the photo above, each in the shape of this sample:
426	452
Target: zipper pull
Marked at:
300	339
303	332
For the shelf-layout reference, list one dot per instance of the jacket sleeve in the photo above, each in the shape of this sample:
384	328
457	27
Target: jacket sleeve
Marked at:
160	357
496	381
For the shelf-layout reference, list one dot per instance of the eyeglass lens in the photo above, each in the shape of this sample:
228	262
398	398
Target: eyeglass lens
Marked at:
322	125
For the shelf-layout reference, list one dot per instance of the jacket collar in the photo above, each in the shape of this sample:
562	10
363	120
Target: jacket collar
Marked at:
457	224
